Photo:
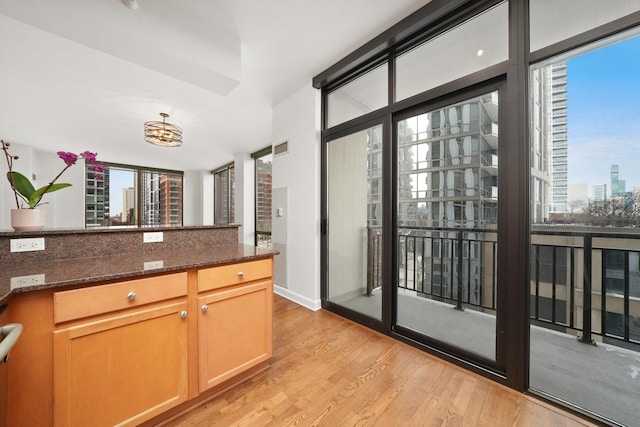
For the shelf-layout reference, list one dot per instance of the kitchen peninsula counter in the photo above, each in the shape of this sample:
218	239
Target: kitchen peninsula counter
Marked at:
60	273
192	303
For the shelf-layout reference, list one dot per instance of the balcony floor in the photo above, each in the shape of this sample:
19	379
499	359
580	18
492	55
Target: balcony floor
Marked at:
602	379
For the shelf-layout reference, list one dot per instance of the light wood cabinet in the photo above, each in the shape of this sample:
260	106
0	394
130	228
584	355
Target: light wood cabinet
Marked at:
124	368
124	354
234	331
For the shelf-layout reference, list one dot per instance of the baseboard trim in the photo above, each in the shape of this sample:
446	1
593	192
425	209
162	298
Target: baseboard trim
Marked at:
313	305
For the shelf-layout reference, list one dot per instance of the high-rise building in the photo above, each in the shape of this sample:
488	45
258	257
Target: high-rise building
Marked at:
549	155
618	186
150	199
170	196
161	199
448	166
600	192
96	198
555	80
128	206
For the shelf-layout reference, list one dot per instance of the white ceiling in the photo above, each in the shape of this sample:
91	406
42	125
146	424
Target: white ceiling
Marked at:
81	75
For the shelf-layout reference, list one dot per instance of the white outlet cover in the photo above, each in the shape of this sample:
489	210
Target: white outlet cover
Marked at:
152	265
152	237
26	281
27	245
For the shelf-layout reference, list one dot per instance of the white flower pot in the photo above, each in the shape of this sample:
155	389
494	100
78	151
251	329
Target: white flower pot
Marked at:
28	219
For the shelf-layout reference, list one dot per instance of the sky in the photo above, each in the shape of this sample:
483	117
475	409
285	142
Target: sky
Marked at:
118	179
603	97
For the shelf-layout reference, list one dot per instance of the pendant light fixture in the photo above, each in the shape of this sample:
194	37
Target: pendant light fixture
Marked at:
162	133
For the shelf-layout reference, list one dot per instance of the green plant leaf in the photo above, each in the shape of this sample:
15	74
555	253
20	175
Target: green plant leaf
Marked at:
22	184
34	198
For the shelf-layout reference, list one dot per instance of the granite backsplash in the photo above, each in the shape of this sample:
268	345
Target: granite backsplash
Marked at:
73	244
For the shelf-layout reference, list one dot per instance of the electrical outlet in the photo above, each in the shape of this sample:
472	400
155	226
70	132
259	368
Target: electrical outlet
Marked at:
152	237
27	245
23	281
152	265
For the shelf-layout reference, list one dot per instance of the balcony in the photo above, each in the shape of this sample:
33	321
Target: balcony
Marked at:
490	134
490	104
585	328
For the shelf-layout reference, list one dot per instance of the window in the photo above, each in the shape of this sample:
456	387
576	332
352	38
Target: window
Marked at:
453	54
133	196
224	194
361	96
263	161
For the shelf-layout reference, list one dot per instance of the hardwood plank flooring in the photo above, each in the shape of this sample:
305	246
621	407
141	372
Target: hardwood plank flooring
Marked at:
329	371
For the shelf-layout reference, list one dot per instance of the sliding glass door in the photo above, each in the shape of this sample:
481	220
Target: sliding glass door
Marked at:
354	245
447	215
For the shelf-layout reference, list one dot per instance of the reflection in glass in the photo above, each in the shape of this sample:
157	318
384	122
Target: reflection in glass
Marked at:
447	218
585	212
355	222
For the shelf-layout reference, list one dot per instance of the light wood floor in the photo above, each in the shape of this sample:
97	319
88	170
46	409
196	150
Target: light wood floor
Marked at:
328	371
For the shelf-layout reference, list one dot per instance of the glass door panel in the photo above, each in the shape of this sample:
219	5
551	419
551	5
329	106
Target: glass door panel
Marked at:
355	222
447	225
585	235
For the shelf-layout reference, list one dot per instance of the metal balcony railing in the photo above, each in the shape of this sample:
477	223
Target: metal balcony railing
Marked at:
584	282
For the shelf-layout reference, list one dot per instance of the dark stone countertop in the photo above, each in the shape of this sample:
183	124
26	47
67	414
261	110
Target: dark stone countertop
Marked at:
34	276
115	229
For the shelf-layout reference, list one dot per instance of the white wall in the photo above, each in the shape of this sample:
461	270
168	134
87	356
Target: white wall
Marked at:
206	201
297	120
244	198
197	198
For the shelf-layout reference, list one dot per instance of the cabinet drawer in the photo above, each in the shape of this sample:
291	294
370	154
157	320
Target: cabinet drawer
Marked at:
79	303
233	274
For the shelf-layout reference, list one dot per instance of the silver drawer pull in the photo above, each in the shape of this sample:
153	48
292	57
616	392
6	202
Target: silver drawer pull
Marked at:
204	308
183	314
240	274
131	296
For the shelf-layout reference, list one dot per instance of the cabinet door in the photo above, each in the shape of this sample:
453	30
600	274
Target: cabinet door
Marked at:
122	370
235	328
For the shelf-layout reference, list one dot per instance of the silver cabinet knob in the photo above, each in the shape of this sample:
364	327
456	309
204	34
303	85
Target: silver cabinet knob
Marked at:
204	308
240	274
131	296
183	314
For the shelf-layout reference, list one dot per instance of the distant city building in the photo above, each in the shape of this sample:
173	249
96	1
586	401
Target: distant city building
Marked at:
617	185
170	198
555	80
96	198
128	206
549	155
599	192
448	171
162	196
